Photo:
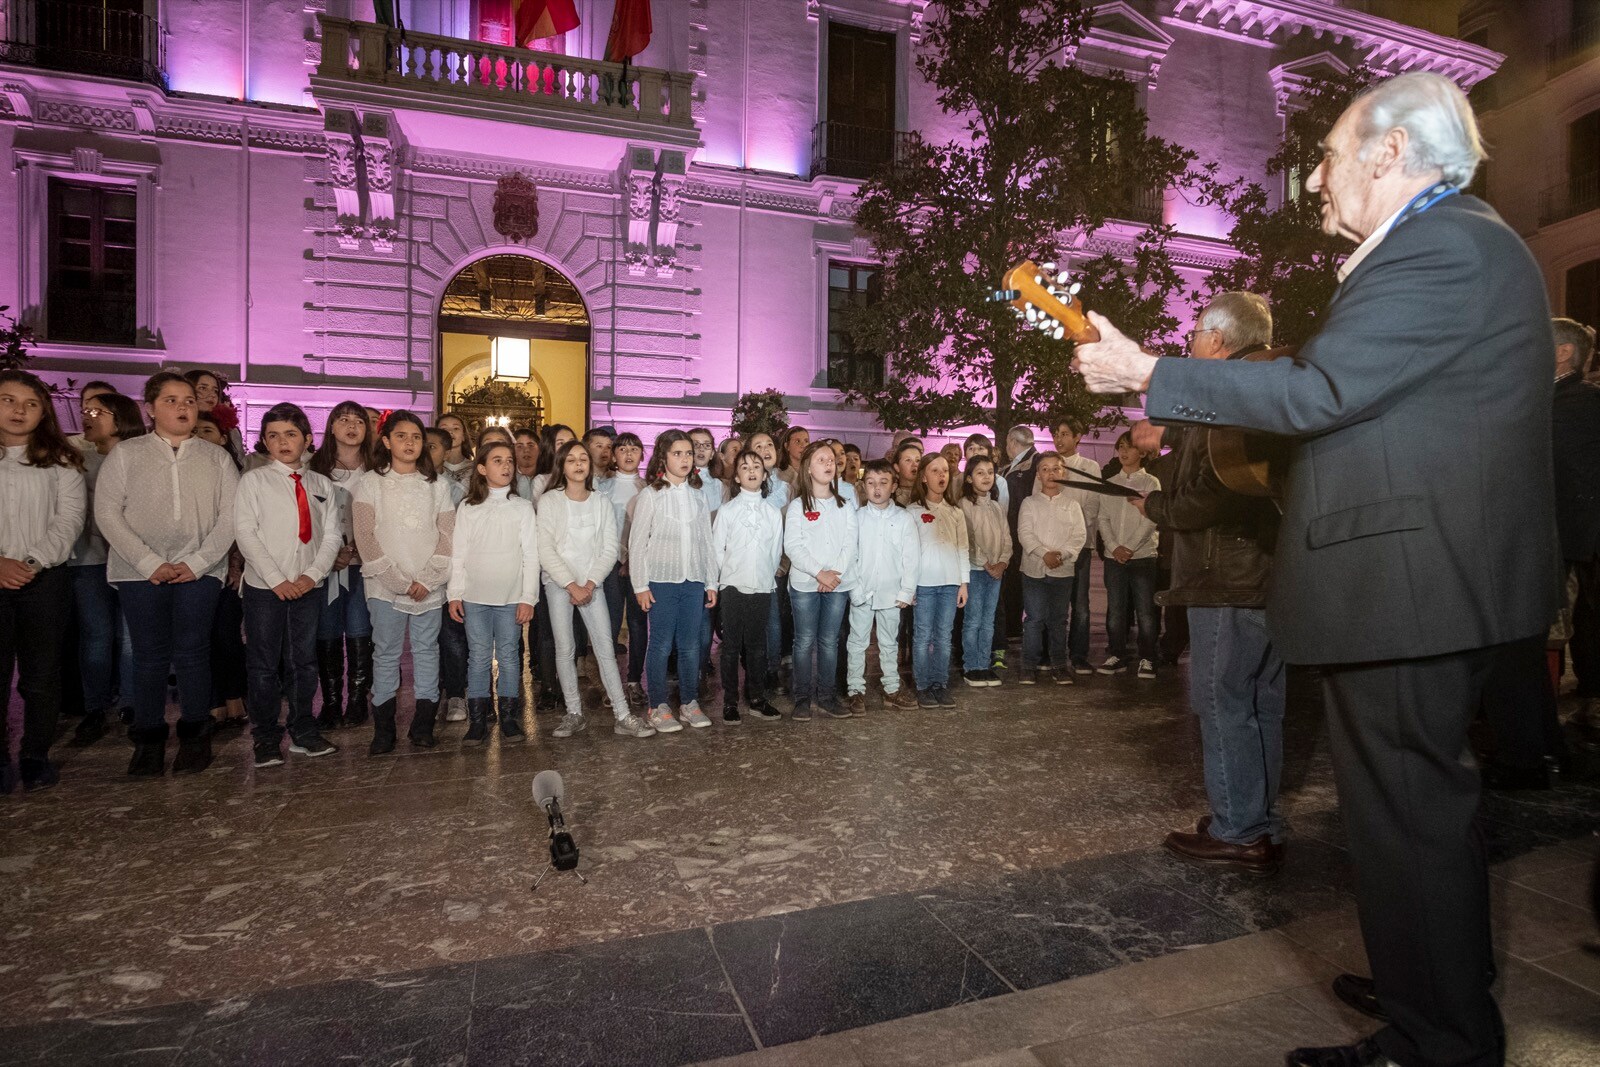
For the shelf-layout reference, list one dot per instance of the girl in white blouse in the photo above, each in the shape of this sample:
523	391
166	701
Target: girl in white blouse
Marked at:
404	518
673	575
494	585
41	483
344	629
819	536
942	571
577	549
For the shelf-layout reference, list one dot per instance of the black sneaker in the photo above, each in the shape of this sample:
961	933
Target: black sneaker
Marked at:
944	697
762	711
1081	666
835	710
730	713
313	746
268	756
1064	679
1028	676
975	679
990	678
927	698
801	712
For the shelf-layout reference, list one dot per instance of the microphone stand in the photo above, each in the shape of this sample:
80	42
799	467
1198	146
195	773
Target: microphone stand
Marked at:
563	850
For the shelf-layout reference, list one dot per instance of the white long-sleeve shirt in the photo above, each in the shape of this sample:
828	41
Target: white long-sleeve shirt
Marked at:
1088	502
988	536
266	520
621	489
712	489
577	538
747	543
888	552
1050	524
1121	524
43	509
669	540
823	539
494	552
157	504
946	557
403	526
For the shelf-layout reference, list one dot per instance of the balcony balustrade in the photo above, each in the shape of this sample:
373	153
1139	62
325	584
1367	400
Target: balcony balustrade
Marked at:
1575	196
841	150
85	39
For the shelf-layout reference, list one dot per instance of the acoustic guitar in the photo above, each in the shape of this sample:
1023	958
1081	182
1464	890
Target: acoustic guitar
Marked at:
1250	464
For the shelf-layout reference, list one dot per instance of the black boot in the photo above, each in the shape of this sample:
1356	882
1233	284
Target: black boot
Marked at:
330	672
382	728
91	728
358	657
478	709
194	747
511	721
421	732
149	751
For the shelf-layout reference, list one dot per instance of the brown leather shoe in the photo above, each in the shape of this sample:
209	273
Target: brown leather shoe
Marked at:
901	698
857	704
1259	857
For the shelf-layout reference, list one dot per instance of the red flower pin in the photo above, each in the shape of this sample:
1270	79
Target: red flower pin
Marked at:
927	516
813	516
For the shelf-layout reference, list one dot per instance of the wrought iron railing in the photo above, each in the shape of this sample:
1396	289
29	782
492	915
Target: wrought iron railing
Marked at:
1578	194
1141	205
86	39
1561	51
364	52
841	150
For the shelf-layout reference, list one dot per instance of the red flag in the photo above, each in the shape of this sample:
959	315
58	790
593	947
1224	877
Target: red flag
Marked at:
544	18
630	30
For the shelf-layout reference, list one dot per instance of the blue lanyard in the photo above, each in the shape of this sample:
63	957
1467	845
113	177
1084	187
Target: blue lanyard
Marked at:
1423	201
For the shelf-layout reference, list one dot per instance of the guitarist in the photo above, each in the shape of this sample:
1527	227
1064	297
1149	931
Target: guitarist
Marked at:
1221	556
1397	570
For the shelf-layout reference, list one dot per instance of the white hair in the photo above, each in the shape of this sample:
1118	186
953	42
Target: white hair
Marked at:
1441	131
1022	435
1243	319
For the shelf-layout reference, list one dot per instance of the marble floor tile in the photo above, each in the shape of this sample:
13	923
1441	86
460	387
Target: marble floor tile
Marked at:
832	1050
1333	935
849	965
1049	925
144	1037
1549	1022
1580	966
1530	925
1315	877
659	1000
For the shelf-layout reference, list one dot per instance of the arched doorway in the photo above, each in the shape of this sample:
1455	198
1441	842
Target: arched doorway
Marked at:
505	295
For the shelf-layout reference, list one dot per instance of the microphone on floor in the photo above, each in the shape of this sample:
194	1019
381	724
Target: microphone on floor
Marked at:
549	792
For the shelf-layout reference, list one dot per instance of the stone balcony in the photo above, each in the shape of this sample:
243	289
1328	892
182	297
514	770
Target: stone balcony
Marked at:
364	62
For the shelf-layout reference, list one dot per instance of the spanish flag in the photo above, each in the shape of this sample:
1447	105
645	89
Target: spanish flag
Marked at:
543	18
630	30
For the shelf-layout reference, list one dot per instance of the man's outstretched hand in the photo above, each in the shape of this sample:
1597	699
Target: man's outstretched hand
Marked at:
1113	364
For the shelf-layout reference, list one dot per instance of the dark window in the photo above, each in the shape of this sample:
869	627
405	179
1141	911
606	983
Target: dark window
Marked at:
92	263
1583	293
1583	162
857	135
850	285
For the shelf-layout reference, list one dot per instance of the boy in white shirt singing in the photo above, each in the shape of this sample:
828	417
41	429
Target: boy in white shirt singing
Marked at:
889	553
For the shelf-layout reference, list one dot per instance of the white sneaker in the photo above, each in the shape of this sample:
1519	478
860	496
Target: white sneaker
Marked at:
456	710
570	724
1113	665
662	721
693	715
1147	669
632	726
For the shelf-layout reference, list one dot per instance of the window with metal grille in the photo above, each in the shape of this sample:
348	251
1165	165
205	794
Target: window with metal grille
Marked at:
850	285
92	263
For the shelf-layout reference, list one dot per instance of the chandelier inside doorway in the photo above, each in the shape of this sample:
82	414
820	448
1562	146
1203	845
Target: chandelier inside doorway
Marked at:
512	288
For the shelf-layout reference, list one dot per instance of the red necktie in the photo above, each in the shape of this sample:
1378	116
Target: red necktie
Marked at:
304	507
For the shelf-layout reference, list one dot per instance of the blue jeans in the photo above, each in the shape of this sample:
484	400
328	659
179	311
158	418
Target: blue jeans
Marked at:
1078	641
934	621
638	634
1045	603
817	618
674	621
172	635
103	642
1131	589
346	615
280	642
492	633
389	629
1236	688
977	634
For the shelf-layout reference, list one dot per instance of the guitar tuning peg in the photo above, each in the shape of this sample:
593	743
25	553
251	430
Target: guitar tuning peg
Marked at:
1049	267
1061	279
1058	333
1038	279
1074	287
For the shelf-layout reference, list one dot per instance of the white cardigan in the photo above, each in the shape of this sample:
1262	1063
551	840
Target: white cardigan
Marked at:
577	539
942	535
494	558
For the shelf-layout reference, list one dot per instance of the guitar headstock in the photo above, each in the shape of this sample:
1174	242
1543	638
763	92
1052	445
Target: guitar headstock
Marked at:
1041	295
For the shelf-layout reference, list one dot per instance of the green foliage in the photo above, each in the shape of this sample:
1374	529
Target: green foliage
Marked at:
1046	150
761	412
1284	255
14	341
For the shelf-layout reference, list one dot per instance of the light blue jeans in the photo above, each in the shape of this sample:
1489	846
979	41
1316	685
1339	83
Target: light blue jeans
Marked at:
934	621
389	628
1236	688
864	619
492	634
977	631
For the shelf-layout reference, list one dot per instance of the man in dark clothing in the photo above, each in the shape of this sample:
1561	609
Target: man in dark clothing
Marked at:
1221	556
1575	434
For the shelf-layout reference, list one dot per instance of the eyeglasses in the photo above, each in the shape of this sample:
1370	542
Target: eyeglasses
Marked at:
1197	331
93	413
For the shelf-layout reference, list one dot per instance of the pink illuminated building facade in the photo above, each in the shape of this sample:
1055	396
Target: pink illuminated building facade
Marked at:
288	193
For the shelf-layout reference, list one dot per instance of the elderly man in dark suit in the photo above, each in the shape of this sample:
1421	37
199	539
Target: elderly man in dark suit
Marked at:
1396	569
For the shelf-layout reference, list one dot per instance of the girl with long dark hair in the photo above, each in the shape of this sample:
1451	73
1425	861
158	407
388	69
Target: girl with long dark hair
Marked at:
344	626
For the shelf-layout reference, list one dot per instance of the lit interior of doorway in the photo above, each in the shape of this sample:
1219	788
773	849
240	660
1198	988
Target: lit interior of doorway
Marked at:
520	297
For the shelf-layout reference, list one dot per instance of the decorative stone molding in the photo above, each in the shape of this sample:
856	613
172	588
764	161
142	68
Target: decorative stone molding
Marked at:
378	159
339	139
455	165
670	180
70	113
1122	41
1290	80
699	60
19	98
639	183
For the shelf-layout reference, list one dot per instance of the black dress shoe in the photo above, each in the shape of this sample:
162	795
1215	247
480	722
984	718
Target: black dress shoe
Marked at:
1363	1054
1360	994
1500	777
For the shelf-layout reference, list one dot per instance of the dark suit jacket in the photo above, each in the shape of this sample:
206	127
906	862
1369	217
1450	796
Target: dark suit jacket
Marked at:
1575	432
1407	529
